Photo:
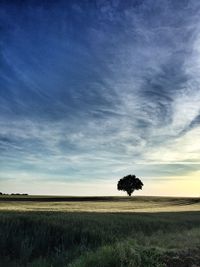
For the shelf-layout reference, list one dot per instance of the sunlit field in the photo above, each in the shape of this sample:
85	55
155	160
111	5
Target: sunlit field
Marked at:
99	231
99	204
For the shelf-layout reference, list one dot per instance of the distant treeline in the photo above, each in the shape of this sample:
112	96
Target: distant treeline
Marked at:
13	194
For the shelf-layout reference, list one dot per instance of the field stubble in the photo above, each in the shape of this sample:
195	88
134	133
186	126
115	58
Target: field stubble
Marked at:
99	204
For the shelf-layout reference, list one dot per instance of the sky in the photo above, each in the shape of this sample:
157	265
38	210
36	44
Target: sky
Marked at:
91	91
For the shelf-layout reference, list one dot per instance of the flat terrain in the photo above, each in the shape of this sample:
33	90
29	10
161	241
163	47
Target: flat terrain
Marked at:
46	231
98	204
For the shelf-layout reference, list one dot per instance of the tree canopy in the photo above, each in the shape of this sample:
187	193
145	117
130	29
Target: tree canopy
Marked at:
129	183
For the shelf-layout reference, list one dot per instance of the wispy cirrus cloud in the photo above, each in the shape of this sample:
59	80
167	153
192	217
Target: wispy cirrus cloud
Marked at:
96	90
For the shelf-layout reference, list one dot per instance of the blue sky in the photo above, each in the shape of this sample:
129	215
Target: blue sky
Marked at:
93	90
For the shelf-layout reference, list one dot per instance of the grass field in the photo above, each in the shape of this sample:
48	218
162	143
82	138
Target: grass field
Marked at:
98	204
99	232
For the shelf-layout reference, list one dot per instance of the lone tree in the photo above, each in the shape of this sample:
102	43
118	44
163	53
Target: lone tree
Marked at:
129	183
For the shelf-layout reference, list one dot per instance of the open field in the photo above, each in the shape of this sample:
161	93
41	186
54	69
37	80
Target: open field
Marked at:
58	232
99	204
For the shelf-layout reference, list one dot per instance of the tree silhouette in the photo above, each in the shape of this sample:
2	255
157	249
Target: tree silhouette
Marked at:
129	183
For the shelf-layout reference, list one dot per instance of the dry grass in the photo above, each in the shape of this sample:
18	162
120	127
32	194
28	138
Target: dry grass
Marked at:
99	204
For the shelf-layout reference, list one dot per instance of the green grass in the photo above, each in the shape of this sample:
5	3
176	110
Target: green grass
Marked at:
88	239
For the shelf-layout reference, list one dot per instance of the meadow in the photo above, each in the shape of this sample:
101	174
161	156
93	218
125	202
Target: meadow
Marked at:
38	231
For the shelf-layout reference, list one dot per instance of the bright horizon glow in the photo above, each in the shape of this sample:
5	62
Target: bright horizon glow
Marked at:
187	188
93	91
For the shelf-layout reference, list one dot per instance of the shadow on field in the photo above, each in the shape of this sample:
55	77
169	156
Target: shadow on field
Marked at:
57	238
85	239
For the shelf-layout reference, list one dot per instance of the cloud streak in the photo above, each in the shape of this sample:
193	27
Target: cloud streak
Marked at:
93	90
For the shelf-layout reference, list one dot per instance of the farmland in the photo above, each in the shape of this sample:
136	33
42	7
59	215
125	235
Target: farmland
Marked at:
98	204
39	231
